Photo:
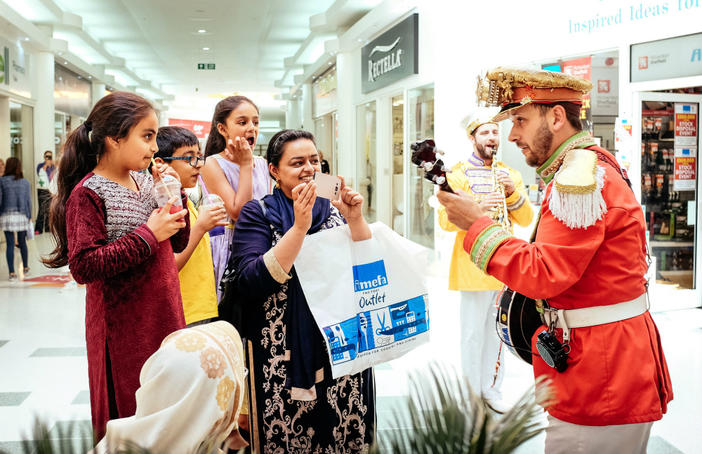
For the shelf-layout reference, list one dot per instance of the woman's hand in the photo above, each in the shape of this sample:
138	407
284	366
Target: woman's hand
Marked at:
349	204
165	224
239	151
304	196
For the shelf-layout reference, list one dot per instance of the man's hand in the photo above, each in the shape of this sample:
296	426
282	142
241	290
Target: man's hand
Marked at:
461	209
491	201
507	182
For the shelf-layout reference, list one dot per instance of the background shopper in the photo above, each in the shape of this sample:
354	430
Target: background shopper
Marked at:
15	213
45	173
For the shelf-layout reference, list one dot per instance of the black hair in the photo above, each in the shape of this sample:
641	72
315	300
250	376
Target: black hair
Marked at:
215	141
276	146
170	138
572	111
112	116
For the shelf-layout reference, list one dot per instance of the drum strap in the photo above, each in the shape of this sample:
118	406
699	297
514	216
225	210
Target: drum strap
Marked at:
567	319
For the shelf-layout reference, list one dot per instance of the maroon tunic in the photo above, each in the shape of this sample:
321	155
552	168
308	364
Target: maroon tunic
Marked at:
133	295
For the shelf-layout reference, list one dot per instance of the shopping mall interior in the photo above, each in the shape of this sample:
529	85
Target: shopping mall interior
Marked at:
368	78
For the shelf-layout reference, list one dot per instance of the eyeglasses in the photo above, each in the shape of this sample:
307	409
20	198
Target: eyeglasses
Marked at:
48	157
192	160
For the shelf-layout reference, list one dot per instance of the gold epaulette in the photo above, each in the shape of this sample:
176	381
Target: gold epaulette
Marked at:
576	196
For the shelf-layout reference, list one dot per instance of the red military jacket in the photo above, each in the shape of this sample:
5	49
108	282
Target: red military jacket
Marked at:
617	373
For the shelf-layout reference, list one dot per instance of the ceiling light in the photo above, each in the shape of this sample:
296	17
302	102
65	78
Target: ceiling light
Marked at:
90	77
60	53
202	30
25	38
65	62
205	48
329	63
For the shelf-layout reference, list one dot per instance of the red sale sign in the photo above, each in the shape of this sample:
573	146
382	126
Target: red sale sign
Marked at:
685	169
200	128
685	124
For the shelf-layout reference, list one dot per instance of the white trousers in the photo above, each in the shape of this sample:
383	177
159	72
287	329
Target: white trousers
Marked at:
480	346
566	438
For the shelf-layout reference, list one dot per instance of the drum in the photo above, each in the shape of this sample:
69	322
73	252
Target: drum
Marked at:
517	320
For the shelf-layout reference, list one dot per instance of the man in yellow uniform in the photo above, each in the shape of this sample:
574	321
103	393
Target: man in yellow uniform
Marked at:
480	346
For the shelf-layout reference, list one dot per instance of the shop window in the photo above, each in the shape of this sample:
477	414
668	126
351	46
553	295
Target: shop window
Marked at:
365	158
398	165
421	126
669	139
21	137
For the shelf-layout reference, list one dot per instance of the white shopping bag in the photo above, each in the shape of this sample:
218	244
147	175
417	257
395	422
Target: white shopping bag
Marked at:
368	297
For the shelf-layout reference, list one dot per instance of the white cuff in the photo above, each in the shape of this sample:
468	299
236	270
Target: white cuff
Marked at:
277	271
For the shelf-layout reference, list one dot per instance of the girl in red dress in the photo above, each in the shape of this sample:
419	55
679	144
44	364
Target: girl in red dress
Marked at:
109	230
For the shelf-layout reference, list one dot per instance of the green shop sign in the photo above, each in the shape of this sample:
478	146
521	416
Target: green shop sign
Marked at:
5	67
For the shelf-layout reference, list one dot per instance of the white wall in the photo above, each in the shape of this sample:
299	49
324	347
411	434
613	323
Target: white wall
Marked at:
474	37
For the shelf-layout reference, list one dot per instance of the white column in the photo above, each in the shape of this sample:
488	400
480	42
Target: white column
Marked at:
43	91
97	91
384	160
307	105
293	114
163	117
346	117
4	127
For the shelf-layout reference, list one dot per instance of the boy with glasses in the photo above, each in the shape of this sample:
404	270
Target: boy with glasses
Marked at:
179	148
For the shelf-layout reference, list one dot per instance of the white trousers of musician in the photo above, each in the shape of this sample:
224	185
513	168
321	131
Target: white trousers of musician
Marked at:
566	438
480	346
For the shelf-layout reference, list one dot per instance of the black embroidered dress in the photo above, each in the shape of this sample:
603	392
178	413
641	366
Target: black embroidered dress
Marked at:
336	415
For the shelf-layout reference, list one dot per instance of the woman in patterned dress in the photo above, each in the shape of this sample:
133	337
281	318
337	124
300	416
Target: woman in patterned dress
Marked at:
109	231
232	171
296	405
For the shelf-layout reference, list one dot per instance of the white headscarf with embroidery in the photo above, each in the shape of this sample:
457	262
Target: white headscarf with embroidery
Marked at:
191	393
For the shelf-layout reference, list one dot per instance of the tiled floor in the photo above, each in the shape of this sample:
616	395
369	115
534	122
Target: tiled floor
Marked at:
43	369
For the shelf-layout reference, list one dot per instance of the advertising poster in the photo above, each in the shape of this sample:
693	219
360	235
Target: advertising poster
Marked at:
200	128
581	67
685	124
685	169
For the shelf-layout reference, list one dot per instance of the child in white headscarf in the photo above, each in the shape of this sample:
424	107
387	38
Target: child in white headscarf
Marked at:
191	394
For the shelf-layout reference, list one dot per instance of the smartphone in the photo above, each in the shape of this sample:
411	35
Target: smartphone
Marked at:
328	186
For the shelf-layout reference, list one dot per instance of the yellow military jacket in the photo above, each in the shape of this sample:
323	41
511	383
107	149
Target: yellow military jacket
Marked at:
474	177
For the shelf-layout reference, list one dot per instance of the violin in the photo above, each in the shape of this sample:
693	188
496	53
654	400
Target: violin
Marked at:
426	156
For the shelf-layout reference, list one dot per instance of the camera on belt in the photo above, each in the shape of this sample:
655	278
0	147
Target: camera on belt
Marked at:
552	351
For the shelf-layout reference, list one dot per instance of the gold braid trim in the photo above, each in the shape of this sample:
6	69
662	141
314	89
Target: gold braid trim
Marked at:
556	164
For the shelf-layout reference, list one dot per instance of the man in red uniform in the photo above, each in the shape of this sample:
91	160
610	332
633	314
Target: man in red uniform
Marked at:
588	262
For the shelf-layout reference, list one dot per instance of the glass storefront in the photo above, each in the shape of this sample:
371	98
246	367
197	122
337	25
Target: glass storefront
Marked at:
398	165
22	137
421	126
325	134
669	142
365	159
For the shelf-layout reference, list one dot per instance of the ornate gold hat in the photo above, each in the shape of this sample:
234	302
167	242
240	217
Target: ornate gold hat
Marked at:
511	88
480	116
